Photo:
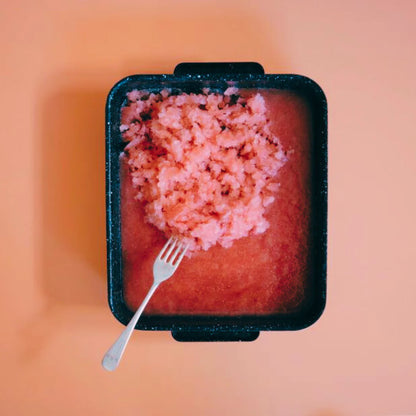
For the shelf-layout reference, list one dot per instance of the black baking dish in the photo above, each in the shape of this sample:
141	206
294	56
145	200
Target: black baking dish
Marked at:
189	77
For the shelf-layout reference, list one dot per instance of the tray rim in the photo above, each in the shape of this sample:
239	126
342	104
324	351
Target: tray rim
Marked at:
197	324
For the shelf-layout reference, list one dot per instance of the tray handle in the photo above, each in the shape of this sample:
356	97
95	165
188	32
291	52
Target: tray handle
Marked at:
201	68
195	336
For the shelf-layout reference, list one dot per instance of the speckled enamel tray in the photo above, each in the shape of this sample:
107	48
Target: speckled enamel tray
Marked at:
189	77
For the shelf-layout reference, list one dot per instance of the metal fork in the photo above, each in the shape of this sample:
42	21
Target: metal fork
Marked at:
163	268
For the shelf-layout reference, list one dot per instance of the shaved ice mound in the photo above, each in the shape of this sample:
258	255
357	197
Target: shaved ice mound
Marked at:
204	165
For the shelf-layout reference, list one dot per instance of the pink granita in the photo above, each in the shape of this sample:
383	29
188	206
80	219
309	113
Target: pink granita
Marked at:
204	165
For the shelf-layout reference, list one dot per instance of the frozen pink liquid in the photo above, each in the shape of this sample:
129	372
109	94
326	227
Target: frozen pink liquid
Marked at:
260	274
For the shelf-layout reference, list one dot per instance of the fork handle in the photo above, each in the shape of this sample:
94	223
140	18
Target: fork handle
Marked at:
113	356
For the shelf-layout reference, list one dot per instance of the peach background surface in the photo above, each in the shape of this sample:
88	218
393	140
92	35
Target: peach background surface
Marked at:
60	58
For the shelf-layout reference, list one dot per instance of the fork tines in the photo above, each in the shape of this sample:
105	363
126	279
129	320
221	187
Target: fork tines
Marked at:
165	253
